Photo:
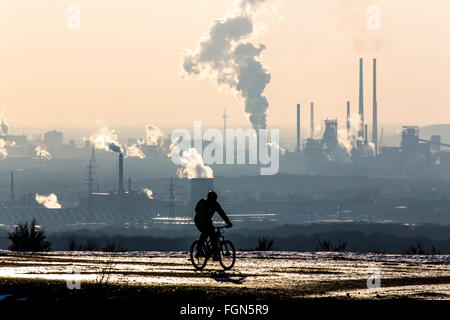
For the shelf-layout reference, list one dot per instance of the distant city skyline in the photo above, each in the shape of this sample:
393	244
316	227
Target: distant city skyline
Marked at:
123	64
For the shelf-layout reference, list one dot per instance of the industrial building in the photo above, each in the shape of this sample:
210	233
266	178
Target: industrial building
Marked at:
53	139
358	145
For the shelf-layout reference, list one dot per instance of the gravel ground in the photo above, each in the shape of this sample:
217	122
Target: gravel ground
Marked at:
276	278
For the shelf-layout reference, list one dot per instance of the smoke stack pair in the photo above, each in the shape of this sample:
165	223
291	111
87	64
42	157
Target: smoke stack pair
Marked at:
362	132
375	108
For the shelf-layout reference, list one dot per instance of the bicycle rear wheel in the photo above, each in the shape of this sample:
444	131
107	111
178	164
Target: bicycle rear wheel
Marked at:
227	254
199	258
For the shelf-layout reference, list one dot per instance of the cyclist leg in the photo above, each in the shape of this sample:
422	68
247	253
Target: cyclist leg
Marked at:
214	241
207	230
201	241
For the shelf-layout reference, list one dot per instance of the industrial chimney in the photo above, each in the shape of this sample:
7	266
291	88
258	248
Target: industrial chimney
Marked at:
365	135
312	120
121	190
361	99
375	108
348	118
298	128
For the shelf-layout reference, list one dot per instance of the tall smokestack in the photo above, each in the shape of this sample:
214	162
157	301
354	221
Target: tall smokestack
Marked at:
348	118
361	99
375	107
121	190
312	120
298	128
365	134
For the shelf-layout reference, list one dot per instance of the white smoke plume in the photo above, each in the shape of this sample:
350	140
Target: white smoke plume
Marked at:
3	150
276	145
134	152
3	147
148	193
3	124
42	153
193	166
225	55
361	21
368	150
347	139
173	147
153	135
50	201
106	139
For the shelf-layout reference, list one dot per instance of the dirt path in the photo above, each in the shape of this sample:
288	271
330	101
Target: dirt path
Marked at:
279	275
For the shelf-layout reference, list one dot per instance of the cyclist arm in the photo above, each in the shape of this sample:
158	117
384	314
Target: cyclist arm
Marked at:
222	214
197	207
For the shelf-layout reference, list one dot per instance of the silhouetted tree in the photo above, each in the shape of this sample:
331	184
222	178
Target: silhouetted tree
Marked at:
416	249
264	244
328	246
27	238
112	246
93	245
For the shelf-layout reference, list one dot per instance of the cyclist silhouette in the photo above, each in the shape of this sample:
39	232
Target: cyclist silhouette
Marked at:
204	211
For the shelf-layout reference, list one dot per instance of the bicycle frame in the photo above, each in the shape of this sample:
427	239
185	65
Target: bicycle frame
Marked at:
220	237
205	250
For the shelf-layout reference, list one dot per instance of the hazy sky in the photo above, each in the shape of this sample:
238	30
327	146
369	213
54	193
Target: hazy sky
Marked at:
123	64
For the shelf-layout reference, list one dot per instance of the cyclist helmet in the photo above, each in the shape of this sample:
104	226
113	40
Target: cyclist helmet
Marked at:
212	196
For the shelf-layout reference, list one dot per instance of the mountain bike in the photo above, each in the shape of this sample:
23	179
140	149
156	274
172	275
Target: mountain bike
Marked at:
200	254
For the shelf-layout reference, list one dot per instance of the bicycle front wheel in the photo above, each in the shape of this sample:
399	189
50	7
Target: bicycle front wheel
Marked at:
227	254
198	256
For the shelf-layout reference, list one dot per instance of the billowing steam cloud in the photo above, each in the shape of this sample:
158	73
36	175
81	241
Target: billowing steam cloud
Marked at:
4	132
3	150
225	56
134	152
277	146
173	147
192	163
3	124
106	139
50	201
347	142
148	192
112	146
3	144
153	135
360	20
193	166
42	153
